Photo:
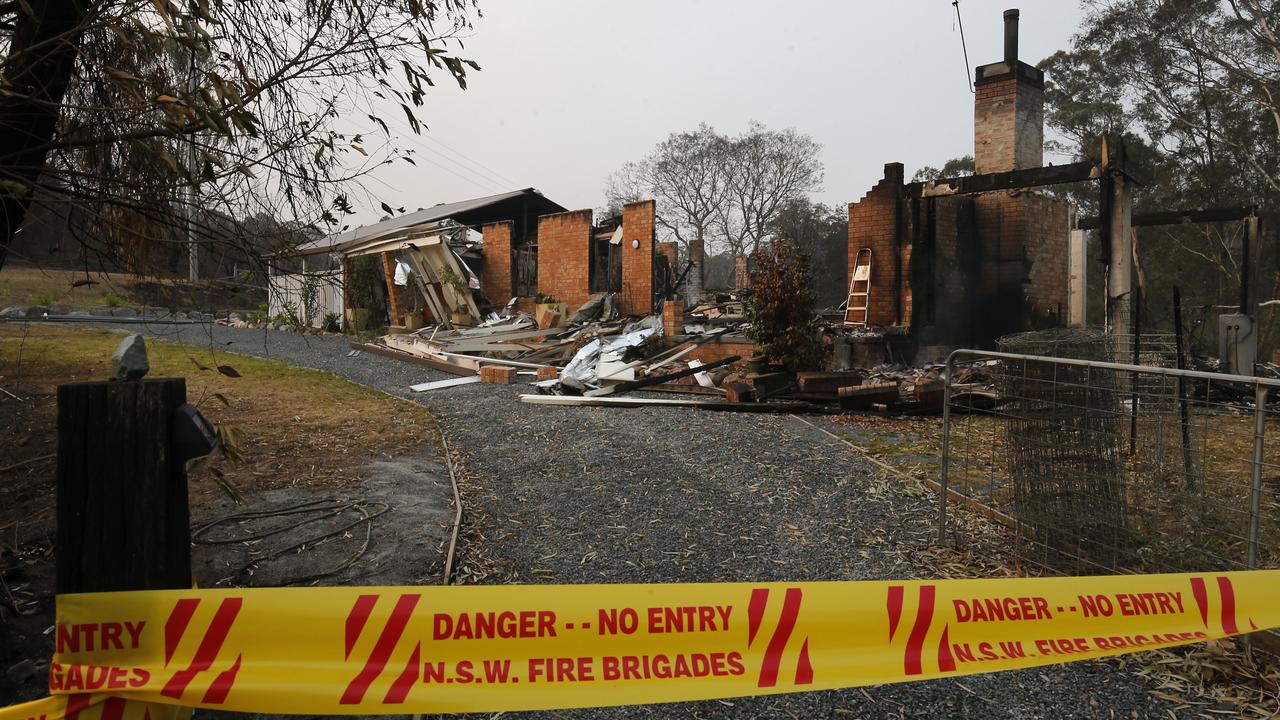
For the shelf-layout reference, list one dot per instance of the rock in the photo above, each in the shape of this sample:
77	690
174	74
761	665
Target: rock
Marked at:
123	312
13	312
21	672
234	317
130	358
37	311
79	313
179	315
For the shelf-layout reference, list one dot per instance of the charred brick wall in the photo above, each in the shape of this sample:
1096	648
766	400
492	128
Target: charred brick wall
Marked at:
672	253
1023	243
875	221
564	242
943	271
1048	248
496	279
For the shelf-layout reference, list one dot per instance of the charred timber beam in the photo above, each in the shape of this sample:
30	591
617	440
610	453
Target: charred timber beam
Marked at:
1179	217
1012	180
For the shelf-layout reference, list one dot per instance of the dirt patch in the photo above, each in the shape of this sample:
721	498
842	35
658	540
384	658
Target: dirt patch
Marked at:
305	437
390	529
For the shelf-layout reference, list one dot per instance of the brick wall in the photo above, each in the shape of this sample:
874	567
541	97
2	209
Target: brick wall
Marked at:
713	351
672	318
636	297
564	271
1000	248
496	280
1029	127
944	306
1023	246
672	253
741	274
1008	125
874	223
1048	248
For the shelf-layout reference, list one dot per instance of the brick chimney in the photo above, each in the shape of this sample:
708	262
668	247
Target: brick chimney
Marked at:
1008	110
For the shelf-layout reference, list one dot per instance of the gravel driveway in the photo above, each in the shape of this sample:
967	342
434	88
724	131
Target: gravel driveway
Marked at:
603	495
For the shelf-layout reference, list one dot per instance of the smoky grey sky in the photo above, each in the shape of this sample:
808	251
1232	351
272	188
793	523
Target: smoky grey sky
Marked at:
572	89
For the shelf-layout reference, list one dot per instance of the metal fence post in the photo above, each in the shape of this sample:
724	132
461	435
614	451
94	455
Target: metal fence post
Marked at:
946	449
1255	498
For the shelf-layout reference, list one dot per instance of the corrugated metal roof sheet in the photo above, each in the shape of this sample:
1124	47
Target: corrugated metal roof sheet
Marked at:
340	241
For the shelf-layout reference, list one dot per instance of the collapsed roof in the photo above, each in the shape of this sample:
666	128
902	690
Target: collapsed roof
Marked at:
473	213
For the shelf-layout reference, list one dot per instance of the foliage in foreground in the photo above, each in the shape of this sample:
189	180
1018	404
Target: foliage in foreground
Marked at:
123	118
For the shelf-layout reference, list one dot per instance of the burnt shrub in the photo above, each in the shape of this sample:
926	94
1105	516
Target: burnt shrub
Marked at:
784	322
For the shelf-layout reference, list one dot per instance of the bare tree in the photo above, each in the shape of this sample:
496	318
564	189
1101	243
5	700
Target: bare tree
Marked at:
765	170
281	115
685	174
720	194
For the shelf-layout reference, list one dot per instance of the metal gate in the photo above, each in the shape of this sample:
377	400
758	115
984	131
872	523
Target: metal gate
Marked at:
1093	466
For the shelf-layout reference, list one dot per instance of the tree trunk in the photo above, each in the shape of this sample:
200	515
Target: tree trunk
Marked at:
38	70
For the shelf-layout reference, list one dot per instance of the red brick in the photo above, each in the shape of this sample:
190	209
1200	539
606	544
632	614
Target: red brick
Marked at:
497	374
564	242
496	279
638	221
673	318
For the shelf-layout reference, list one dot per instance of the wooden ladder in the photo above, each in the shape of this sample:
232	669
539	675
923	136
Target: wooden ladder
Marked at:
856	309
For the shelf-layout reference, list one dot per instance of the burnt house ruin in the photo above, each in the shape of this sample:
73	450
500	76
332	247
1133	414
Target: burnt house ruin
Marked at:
960	262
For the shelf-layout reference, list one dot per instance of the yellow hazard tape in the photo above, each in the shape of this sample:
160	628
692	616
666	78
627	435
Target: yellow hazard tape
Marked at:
353	650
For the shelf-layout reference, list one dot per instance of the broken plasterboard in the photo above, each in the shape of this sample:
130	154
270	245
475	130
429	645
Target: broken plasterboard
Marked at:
441	384
703	379
446	281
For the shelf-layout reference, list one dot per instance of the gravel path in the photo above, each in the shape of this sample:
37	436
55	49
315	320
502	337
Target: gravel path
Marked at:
579	495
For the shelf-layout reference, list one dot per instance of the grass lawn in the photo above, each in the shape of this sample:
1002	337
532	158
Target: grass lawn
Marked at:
66	289
298	425
305	434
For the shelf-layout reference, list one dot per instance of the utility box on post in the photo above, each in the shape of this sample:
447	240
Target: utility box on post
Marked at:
1237	343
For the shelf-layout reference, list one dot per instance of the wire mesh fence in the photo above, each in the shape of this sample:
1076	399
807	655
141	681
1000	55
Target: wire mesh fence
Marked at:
1101	467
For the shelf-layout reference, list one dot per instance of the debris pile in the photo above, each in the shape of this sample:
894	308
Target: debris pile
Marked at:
595	358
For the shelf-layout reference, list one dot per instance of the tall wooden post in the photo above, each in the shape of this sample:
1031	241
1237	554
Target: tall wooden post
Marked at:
1249	263
1077	281
123	521
1120	269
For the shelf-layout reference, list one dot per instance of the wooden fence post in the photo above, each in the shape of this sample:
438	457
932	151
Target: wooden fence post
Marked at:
123	520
